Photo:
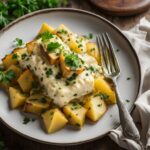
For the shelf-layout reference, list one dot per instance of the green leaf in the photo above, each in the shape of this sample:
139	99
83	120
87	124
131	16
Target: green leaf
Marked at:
72	60
103	96
49	72
18	42
52	46
45	36
14	56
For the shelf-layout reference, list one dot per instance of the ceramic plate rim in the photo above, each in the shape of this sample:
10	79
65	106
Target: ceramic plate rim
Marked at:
89	14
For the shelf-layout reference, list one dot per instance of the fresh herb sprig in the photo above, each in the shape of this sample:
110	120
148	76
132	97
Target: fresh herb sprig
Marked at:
12	9
7	77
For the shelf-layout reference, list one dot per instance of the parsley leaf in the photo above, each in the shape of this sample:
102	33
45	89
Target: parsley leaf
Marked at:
8	76
18	42
72	60
49	72
14	56
45	36
103	96
52	46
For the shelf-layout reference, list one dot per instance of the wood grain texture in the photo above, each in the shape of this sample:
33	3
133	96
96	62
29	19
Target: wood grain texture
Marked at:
122	7
17	142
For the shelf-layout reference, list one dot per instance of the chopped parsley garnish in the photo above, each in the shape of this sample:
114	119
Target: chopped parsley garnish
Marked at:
59	75
45	36
75	106
26	120
117	50
8	76
89	36
18	42
99	105
14	56
51	47
49	72
128	78
72	60
127	100
92	69
63	31
23	56
103	96
73	77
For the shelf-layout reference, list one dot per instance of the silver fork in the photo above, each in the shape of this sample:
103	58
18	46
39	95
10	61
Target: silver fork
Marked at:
112	71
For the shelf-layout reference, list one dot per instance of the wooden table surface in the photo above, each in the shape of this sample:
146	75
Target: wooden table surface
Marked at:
17	142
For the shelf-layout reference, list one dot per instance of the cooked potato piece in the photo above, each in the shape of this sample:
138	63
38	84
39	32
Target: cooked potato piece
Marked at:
9	60
30	46
46	28
17	98
54	120
92	50
20	52
96	107
26	80
75	114
36	104
75	42
105	89
16	70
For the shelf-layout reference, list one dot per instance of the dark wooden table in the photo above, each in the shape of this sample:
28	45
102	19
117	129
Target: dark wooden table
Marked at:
17	142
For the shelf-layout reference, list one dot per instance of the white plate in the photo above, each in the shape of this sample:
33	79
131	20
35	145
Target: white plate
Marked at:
81	22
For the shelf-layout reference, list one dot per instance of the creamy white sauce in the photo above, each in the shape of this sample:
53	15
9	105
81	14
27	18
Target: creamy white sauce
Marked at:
56	88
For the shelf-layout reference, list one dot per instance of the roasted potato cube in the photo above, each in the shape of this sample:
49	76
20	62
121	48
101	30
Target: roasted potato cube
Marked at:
54	120
30	46
9	60
26	80
92	50
17	98
16	70
46	28
36	104
104	88
75	42
75	114
96	107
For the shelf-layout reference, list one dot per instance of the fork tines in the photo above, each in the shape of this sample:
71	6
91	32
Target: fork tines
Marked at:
109	61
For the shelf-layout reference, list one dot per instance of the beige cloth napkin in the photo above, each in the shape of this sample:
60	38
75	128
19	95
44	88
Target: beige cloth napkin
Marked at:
139	36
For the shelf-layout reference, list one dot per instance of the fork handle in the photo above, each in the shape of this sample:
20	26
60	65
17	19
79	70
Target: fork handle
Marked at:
129	129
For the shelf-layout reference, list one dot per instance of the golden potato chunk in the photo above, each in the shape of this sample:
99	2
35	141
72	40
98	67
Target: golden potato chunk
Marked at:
92	50
17	98
75	114
30	46
75	42
9	60
102	87
54	120
96	107
26	80
36	104
46	28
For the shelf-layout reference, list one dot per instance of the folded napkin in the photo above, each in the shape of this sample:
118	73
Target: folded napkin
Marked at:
139	36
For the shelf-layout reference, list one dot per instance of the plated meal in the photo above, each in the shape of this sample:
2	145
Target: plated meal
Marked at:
57	76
